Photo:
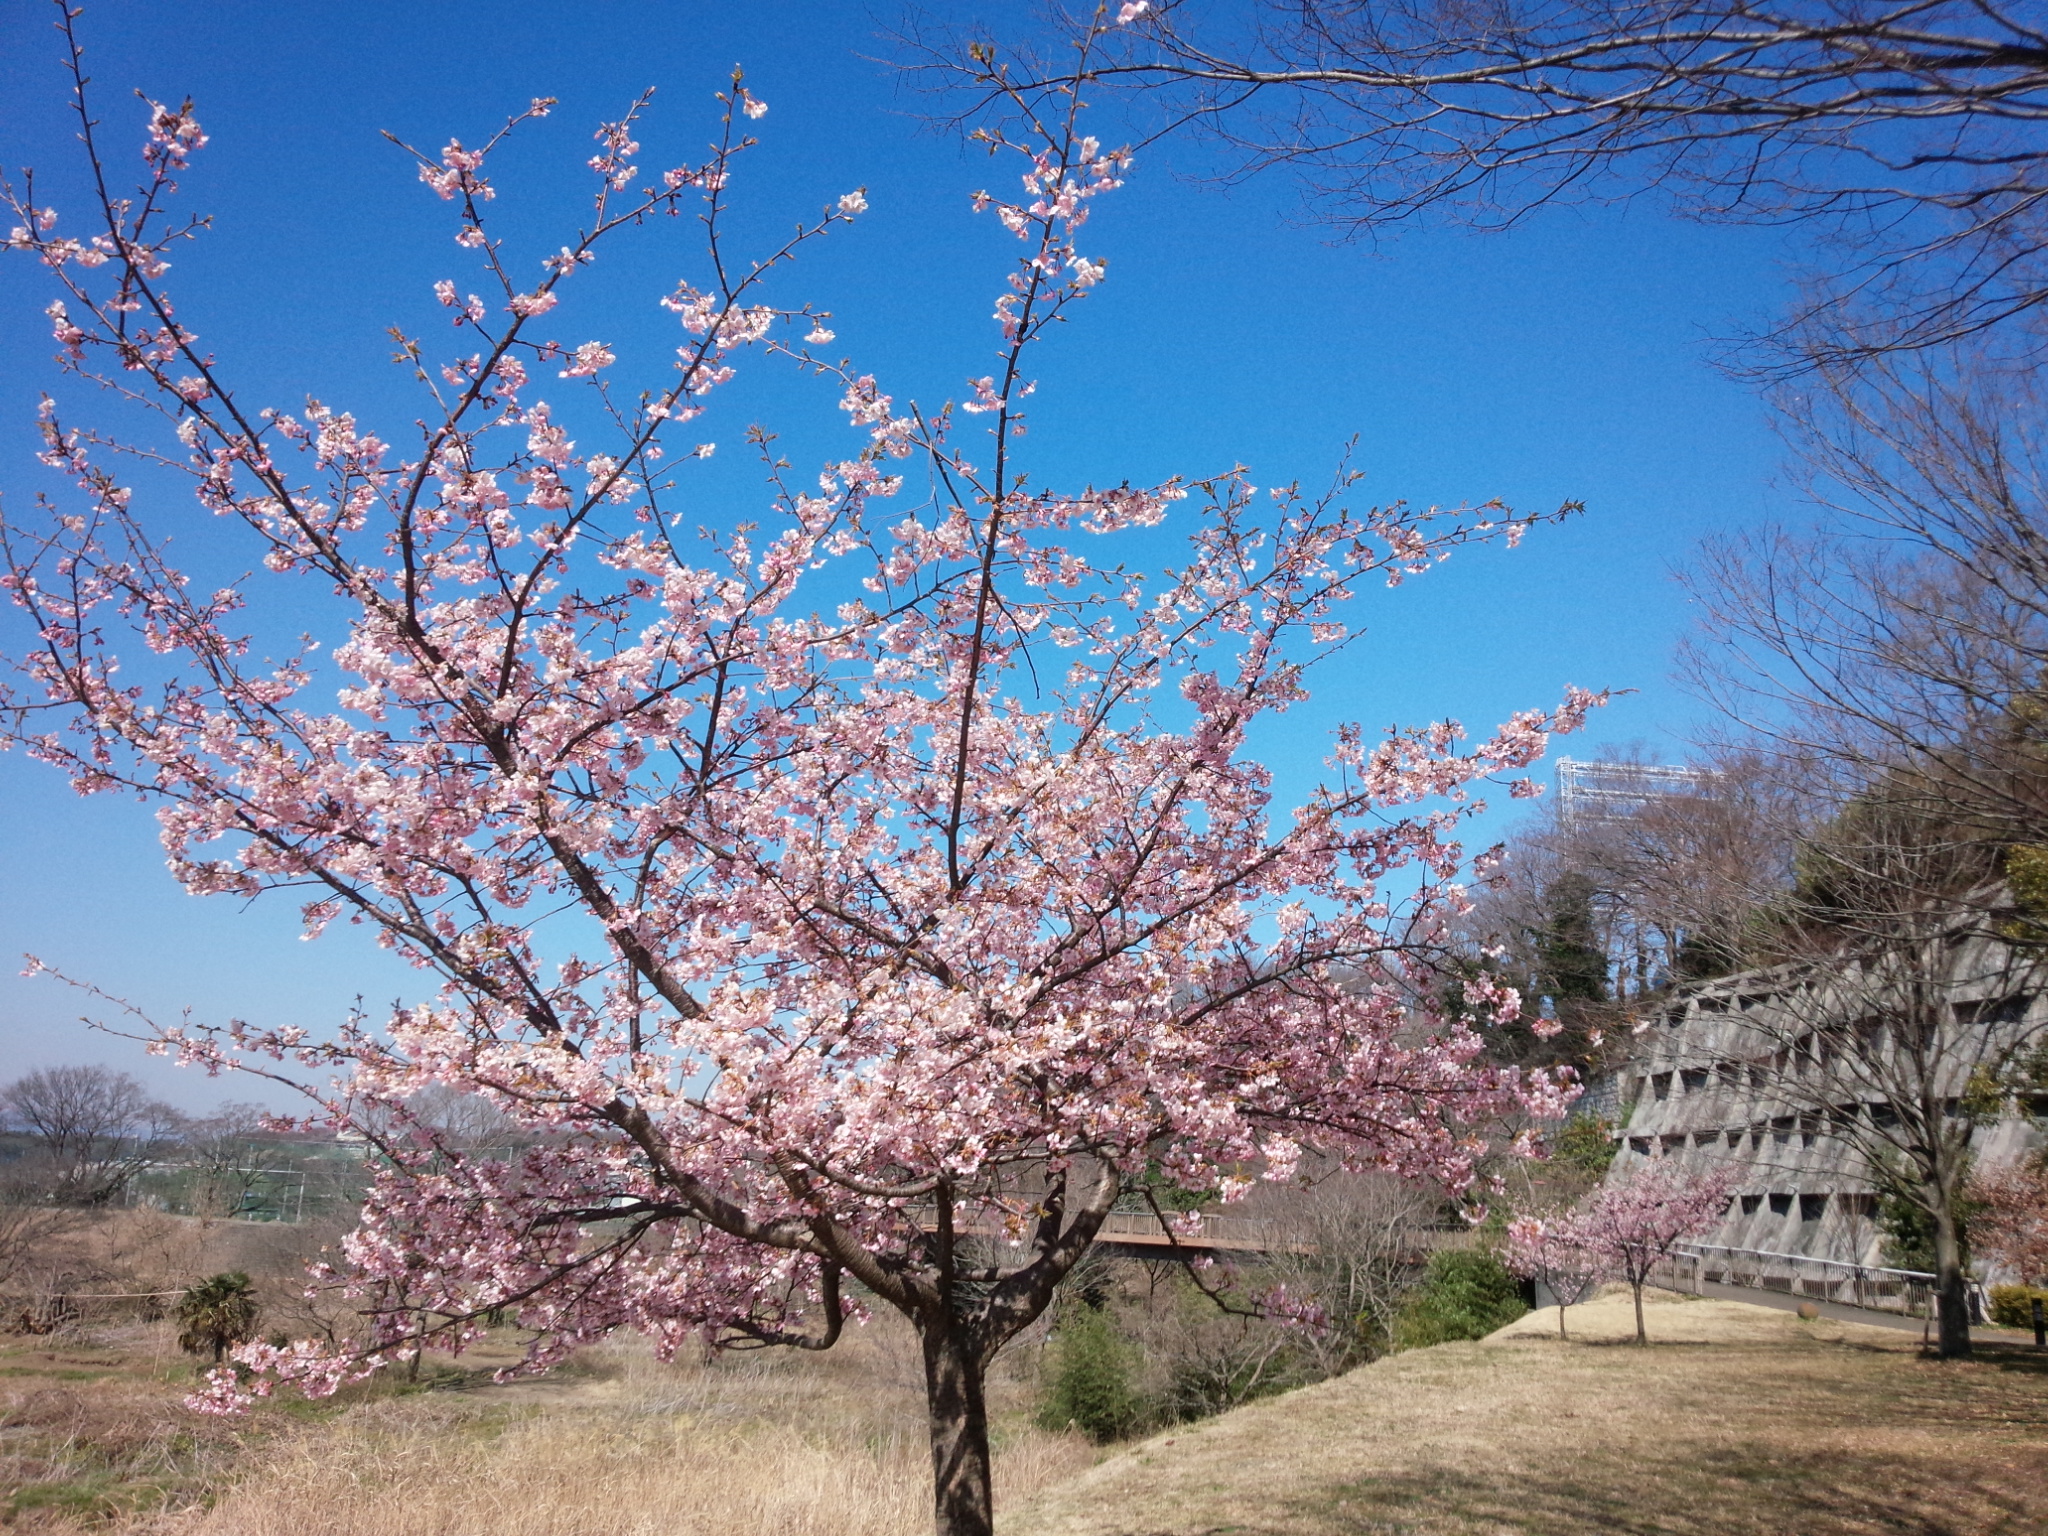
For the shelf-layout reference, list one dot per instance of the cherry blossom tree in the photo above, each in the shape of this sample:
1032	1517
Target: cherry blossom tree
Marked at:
1634	1225
1554	1248
2009	1217
846	904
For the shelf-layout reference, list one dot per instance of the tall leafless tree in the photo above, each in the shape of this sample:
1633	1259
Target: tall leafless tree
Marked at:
1911	130
1890	663
1905	639
236	1159
91	1129
1888	1034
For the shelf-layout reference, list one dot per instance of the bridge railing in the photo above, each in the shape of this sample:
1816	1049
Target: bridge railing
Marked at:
1906	1291
1142	1228
1247	1232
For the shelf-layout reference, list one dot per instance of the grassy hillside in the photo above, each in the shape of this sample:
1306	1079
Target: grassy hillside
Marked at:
1737	1420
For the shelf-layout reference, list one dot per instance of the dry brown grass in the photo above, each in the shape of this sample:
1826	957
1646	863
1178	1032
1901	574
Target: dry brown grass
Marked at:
91	1427
1737	1421
765	1445
94	1442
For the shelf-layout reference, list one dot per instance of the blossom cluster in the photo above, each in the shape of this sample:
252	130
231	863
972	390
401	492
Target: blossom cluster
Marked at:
2009	1223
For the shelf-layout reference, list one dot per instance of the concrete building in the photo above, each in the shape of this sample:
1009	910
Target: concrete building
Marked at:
1793	1074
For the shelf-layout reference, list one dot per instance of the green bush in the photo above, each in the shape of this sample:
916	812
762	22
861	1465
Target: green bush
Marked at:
2012	1306
1466	1294
1090	1386
216	1314
1585	1147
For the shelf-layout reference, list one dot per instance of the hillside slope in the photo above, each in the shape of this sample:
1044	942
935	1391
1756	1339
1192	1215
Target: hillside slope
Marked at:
1737	1421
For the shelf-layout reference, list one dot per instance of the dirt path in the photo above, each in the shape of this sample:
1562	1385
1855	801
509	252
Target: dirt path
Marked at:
1738	1421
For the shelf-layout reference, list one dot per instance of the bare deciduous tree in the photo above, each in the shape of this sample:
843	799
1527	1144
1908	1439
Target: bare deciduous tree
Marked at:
1890	664
92	1128
1594	913
1905	639
1910	129
235	1157
1351	1250
1890	1041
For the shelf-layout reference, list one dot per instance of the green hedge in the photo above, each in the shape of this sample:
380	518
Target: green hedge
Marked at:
2012	1306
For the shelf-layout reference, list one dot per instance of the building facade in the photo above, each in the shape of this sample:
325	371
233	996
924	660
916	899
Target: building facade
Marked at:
1802	1076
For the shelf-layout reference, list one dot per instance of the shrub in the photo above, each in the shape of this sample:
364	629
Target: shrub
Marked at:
216	1314
2012	1306
1216	1363
1466	1294
1091	1387
1584	1148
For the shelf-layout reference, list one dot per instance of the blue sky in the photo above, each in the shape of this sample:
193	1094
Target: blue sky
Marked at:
1568	358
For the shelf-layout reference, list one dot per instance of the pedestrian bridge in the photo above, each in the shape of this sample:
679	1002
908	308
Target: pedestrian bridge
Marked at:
1141	1234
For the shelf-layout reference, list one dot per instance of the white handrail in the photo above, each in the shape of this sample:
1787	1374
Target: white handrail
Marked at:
1801	1258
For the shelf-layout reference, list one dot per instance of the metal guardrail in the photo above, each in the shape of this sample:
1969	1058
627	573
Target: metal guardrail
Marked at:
1909	1292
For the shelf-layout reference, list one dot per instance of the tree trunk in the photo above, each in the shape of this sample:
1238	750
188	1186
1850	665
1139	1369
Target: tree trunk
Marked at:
1560	1320
1637	1287
962	1505
1951	1295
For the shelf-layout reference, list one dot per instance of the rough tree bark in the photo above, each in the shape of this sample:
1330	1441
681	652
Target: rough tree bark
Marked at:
955	1374
1951	1285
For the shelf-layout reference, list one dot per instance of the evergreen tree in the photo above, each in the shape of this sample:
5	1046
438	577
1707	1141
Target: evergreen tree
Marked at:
1571	964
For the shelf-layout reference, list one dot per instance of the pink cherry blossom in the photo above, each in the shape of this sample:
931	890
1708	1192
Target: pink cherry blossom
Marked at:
1553	1248
877	869
1634	1224
457	173
2010	1225
588	359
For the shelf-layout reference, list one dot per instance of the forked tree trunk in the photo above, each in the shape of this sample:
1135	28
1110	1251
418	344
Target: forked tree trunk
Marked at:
961	1500
1951	1293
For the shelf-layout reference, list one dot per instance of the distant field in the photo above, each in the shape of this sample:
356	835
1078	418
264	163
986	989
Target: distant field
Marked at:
1737	1421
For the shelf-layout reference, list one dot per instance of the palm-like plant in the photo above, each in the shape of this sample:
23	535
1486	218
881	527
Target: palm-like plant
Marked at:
217	1313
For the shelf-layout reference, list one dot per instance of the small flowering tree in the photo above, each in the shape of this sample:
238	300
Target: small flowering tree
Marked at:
848	904
1554	1249
1634	1225
2009	1217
